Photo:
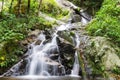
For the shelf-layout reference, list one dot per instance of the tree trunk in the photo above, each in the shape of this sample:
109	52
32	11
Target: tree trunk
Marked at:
11	5
2	5
28	9
19	3
81	3
40	3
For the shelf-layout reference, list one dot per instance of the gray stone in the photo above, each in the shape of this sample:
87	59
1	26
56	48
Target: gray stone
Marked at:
76	18
103	51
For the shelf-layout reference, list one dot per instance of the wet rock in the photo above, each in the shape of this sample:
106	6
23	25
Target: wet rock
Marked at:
67	36
77	25
66	4
24	42
76	18
47	34
54	56
34	33
101	51
31	37
66	55
37	42
16	70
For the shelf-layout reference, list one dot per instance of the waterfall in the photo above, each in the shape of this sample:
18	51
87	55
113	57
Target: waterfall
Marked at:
76	65
39	61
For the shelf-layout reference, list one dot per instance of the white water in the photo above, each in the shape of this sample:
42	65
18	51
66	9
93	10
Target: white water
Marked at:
88	18
64	27
76	65
40	57
40	60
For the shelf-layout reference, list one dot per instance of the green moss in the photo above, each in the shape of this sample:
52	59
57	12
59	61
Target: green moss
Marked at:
116	70
106	22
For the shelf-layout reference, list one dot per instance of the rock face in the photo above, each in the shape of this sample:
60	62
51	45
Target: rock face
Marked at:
101	51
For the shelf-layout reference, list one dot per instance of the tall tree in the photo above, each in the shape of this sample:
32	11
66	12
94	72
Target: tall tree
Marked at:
28	9
11	5
40	3
19	3
2	5
81	3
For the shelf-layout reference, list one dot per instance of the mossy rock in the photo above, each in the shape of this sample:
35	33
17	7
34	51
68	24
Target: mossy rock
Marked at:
102	54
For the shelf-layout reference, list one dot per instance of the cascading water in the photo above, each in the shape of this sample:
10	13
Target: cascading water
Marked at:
76	66
39	58
85	17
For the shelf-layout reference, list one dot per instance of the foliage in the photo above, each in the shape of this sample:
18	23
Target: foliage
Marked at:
51	8
107	22
91	5
14	29
116	70
76	2
10	53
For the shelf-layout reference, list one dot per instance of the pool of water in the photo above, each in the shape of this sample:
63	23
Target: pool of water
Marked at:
41	78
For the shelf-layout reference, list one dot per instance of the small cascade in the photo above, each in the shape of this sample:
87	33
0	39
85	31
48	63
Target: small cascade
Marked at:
86	17
76	65
40	61
40	57
64	27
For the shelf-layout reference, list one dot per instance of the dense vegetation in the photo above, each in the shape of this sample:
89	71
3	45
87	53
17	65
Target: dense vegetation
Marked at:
106	22
92	6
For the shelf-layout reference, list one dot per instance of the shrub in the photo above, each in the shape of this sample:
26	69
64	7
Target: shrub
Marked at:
106	22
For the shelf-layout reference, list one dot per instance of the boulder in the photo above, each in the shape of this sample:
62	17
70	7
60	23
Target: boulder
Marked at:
101	51
76	18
